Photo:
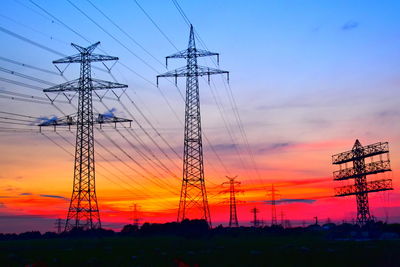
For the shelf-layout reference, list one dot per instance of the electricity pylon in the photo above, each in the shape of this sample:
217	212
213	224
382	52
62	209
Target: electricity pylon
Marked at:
135	213
233	220
359	172
58	225
193	193
255	222
272	193
83	211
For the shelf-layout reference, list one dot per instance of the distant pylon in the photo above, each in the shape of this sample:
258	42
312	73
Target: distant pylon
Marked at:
58	225
193	199
255	221
233	220
135	217
83	210
272	193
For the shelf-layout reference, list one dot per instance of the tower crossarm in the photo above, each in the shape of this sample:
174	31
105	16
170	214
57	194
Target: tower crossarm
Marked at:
199	71
373	186
192	52
78	58
370	168
87	52
367	151
72	120
74	85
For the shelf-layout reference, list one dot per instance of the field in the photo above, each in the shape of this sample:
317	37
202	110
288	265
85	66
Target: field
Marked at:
240	250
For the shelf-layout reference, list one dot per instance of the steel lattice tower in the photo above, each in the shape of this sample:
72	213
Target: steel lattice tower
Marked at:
58	225
255	221
193	196
135	215
359	173
233	220
83	210
274	220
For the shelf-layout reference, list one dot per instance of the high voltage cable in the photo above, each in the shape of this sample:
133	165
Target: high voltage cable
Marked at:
119	62
26	76
31	42
149	136
132	101
137	172
29	66
97	142
21	84
137	163
127	48
16	114
2	91
147	158
155	24
126	34
214	150
207	140
112	36
117	168
134	193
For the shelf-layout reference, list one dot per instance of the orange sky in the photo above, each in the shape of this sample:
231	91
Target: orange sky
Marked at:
37	181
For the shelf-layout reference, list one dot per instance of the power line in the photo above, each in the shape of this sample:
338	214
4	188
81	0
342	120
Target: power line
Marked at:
124	32
155	24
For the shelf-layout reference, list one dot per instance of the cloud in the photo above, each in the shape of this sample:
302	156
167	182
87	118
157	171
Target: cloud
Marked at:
387	114
350	25
25	194
225	147
291	200
54	196
2	205
275	147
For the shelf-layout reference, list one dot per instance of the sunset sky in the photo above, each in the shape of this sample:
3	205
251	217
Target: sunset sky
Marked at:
308	79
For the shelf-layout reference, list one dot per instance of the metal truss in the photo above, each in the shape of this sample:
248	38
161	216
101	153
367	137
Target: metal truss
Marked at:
193	200
83	211
359	173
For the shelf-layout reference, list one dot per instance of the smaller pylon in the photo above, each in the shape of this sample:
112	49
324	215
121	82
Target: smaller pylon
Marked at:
135	216
255	221
233	220
272	194
58	225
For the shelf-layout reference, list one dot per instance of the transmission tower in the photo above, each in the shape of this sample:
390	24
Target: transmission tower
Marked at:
58	225
272	193
359	172
193	198
83	210
135	214
233	220
255	221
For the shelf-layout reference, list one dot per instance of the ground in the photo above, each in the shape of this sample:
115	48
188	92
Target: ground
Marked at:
249	250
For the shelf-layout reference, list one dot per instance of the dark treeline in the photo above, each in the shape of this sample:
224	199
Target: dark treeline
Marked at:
199	229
